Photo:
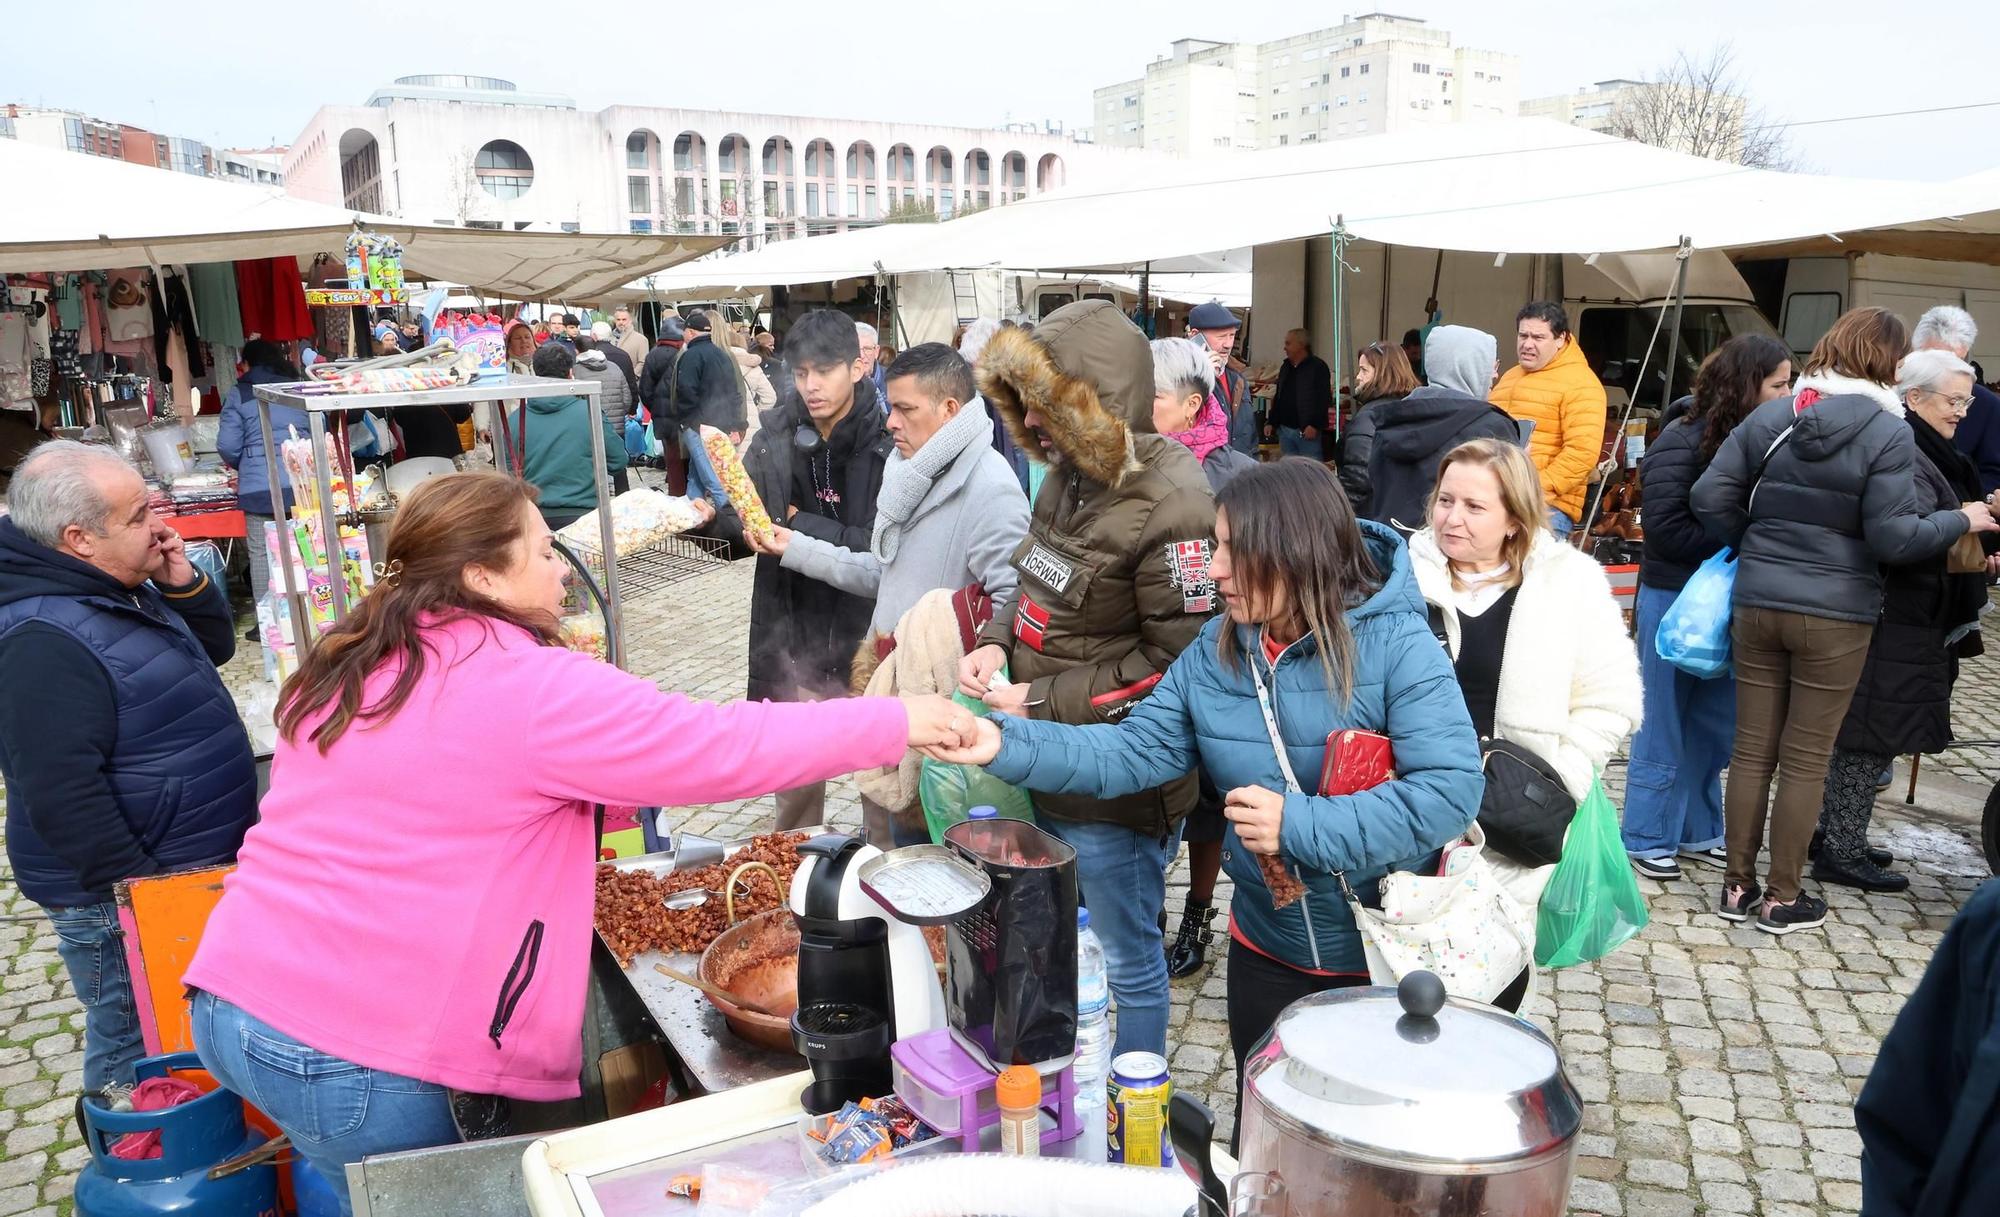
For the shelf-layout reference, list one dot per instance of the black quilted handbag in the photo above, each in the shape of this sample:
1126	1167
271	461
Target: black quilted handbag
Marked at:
1526	809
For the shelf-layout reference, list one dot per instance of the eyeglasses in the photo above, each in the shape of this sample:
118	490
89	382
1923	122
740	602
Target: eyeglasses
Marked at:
1958	405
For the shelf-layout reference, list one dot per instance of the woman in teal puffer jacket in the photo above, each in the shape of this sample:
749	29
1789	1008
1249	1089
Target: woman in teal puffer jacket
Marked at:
1330	620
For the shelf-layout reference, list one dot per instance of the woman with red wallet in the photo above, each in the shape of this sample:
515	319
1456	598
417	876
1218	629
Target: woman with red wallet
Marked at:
1324	646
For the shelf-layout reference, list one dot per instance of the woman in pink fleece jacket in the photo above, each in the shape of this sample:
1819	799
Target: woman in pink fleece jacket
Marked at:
412	914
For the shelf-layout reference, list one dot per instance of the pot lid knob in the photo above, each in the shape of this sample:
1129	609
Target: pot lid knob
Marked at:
1421	993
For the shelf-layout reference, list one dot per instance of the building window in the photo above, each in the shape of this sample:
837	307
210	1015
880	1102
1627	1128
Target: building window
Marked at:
869	209
571	226
638	194
1340	100
1284	140
770	198
1360	124
642	226
635	150
791	199
1362	99
1306	83
504	170
1344	71
1364	69
1479	76
853	200
1421	69
684	198
1495	78
812	193
684	151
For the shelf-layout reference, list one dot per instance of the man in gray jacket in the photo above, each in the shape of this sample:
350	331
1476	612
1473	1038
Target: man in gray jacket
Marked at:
950	512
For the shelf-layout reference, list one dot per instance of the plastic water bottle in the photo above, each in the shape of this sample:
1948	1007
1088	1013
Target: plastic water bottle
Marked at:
1093	1038
983	812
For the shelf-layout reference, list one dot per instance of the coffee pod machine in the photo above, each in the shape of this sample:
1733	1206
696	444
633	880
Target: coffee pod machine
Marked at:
866	976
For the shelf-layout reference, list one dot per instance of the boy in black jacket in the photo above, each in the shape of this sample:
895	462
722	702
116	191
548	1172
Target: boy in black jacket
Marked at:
817	464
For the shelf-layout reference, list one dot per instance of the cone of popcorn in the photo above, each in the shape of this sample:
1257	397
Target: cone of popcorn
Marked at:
736	482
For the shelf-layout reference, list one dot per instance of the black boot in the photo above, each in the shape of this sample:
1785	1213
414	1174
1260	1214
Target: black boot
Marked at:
1875	854
1188	952
1858	872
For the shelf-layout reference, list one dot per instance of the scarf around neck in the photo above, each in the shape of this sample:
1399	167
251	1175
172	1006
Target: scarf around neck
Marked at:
1209	432
906	482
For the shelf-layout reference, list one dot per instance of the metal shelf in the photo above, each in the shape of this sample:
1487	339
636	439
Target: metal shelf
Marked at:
314	396
319	399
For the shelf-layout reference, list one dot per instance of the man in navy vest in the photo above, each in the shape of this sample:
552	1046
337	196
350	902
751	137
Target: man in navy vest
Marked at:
122	751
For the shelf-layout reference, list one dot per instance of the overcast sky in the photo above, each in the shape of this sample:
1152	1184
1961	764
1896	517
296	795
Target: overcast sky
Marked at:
252	76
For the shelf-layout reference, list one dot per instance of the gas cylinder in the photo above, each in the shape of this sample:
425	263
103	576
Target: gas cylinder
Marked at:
193	1137
312	1195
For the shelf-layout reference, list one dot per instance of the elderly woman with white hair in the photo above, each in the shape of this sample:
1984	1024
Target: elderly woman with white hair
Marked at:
1186	409
1929	620
1950	328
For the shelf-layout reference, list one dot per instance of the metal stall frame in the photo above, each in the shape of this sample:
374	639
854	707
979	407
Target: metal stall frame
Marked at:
503	391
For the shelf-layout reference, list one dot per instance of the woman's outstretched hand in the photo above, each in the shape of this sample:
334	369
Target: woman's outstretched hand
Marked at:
979	750
938	722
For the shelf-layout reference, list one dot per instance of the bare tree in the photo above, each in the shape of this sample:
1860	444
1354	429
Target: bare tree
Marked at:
1697	106
462	188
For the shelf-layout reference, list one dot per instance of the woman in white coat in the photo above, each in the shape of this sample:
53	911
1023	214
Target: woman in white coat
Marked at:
1534	631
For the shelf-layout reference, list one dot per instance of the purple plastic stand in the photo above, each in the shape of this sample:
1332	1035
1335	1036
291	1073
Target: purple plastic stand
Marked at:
937	1062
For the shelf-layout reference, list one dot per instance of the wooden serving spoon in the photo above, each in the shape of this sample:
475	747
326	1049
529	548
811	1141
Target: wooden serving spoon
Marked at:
719	994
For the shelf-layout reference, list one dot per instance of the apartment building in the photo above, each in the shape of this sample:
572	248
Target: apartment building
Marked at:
1370	74
75	131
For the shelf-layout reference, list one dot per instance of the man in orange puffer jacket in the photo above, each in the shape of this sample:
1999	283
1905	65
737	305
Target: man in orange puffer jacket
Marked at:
1554	388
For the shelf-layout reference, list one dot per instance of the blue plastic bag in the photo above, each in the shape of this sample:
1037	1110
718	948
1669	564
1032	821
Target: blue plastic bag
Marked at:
1694	633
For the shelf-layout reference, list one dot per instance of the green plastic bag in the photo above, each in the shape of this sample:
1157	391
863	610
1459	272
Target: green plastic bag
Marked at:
1592	903
948	792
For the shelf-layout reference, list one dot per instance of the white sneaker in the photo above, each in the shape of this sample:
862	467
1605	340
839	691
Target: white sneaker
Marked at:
1717	857
1657	868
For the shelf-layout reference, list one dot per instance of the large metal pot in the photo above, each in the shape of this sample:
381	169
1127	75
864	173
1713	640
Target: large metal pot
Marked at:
1367	1102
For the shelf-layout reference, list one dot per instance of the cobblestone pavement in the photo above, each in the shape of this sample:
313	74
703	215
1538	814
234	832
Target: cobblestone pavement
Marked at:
1718	1064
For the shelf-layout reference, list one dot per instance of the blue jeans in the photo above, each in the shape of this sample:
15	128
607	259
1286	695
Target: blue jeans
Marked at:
1560	523
1123	875
1673	783
702	482
335	1112
93	952
1293	442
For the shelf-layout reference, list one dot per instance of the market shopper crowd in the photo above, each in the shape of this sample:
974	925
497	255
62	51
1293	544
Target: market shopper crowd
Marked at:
1066	524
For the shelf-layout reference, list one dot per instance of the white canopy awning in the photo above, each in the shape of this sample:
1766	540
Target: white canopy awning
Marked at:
1527	186
65	211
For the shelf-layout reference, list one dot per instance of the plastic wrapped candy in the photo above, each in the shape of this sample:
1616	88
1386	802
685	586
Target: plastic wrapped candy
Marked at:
736	482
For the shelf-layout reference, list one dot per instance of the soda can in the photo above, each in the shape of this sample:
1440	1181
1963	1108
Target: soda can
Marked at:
1137	1134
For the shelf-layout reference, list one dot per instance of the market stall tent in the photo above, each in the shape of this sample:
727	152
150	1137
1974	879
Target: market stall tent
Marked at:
69	212
1507	186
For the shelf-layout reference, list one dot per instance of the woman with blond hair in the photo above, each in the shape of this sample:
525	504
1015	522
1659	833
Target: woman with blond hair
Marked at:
1533	630
1816	492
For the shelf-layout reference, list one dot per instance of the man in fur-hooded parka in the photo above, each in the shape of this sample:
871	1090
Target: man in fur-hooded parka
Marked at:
1114	570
